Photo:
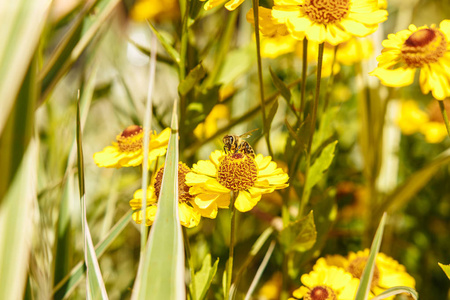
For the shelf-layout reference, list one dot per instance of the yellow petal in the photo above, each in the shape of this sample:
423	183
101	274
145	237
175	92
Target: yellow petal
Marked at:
245	202
204	201
194	178
214	186
283	13
395	78
205	167
233	4
216	157
189	217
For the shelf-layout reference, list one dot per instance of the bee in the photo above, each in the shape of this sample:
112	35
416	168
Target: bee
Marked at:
235	143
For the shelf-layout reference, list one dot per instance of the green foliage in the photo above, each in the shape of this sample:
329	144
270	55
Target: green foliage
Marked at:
204	277
299	235
446	269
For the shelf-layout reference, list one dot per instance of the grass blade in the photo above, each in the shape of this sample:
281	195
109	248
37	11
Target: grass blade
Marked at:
165	253
94	284
16	228
395	291
22	24
366	278
66	286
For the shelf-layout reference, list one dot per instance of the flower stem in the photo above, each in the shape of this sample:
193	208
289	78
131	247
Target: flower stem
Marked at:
187	247
444	115
304	70
330	81
232	238
255	4
305	193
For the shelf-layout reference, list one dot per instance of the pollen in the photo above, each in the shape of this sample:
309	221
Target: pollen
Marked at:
423	47
130	139
326	11
356	268
320	292
237	172
183	188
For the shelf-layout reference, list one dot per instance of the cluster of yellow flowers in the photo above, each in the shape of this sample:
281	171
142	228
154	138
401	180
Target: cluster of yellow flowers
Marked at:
203	189
337	277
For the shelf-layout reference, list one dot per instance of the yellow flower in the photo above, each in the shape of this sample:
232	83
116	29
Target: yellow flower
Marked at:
188	212
425	48
412	119
388	272
332	21
218	114
212	180
154	9
127	152
327	283
230	5
353	51
275	39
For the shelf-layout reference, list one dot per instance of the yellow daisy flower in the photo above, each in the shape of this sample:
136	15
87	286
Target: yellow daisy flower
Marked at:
412	119
212	180
332	21
276	39
327	283
388	272
189	213
219	114
230	5
127	152
154	9
425	48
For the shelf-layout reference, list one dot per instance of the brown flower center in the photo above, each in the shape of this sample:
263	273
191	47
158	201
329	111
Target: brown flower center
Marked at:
326	11
356	268
423	47
183	188
321	292
237	172
131	139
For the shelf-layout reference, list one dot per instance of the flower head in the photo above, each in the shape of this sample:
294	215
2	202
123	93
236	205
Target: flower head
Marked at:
332	21
424	48
127	151
189	213
212	180
327	283
154	9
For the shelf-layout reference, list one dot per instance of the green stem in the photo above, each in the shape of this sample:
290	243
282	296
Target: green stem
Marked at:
330	81
304	70
285	269
182	66
260	77
444	115
305	196
232	241
187	246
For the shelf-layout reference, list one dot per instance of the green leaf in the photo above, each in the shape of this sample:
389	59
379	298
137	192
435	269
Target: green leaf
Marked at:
367	275
231	70
16	226
281	86
403	193
166	44
204	277
325	128
22	24
321	164
446	269
299	235
271	115
194	76
395	291
66	286
163	267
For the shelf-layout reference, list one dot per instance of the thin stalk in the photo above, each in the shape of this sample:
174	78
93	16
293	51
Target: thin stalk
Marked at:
330	81
187	247
232	239
260	77
304	199
284	286
444	115
304	70
183	53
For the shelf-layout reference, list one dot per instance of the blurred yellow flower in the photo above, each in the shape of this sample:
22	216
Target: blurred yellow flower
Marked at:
127	152
272	288
154	9
276	39
333	21
327	283
230	5
212	180
219	114
412	119
388	272
425	48
188	212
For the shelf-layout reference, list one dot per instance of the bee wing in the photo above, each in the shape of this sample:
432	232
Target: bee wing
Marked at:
248	133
